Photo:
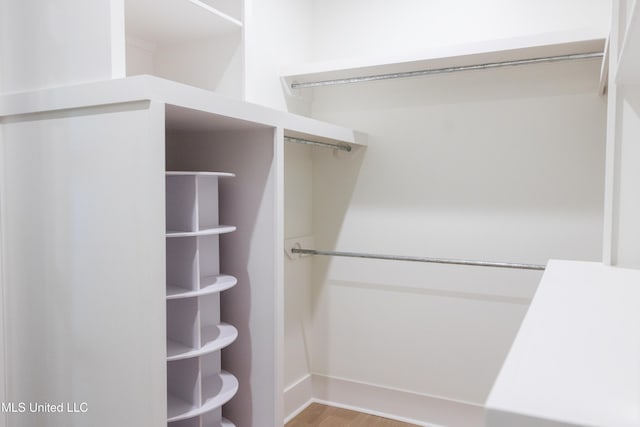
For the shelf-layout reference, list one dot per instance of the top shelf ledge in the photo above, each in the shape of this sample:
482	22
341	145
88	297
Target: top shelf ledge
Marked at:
174	21
468	54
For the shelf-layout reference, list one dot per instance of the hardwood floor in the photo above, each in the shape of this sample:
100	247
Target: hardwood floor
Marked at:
317	415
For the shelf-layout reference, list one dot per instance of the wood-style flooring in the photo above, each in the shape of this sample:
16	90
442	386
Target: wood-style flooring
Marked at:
317	415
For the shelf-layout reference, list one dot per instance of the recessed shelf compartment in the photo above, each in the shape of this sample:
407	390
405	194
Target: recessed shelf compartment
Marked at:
188	41
213	338
184	398
217	390
175	21
192	204
193	267
208	285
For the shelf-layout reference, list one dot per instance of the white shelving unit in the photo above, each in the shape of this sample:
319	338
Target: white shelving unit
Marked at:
197	385
153	125
196	42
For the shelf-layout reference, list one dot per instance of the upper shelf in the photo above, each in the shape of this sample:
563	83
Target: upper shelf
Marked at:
538	46
628	71
174	21
186	108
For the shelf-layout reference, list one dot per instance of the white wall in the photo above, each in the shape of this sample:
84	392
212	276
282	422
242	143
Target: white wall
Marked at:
371	27
496	165
277	32
500	165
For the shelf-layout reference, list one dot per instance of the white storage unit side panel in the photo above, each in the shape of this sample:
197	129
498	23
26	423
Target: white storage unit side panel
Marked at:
250	253
50	51
83	206
628	175
3	378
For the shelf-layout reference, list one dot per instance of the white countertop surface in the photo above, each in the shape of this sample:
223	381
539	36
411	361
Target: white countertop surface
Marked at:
576	358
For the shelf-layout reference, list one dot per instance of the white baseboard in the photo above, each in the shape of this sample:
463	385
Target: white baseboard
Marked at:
398	405
297	397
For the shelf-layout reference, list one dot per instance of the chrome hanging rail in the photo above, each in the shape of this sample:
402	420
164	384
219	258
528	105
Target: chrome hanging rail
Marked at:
340	146
420	259
485	66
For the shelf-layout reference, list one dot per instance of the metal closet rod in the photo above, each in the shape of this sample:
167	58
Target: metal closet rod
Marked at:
343	147
420	259
485	66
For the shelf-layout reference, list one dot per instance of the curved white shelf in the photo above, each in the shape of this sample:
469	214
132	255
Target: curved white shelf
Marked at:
200	173
490	51
215	337
216	391
174	21
208	285
220	229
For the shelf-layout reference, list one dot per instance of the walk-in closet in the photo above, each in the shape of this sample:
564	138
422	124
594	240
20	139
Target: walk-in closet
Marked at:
219	213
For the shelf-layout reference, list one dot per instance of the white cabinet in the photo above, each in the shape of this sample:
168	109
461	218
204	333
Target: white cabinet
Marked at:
111	302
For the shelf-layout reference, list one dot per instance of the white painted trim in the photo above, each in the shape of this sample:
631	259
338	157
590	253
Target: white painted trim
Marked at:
400	405
118	50
3	352
609	226
297	397
278	170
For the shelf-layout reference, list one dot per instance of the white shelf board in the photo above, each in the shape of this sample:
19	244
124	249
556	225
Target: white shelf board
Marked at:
575	359
223	334
175	21
223	423
186	107
628	69
218	389
208	285
538	46
200	173
221	229
178	409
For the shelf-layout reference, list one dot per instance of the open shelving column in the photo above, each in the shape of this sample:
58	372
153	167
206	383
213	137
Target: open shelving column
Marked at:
197	386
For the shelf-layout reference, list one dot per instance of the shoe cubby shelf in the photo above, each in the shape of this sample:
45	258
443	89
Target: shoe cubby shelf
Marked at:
221	229
197	385
208	285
